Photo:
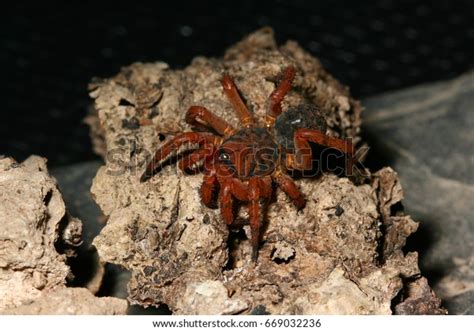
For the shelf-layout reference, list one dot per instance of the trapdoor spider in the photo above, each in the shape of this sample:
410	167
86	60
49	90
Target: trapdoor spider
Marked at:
244	163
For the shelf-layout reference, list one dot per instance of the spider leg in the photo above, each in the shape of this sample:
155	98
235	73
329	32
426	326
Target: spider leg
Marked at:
164	151
266	187
235	99
203	118
277	96
255	215
231	188
210	184
239	189
189	162
302	160
208	187
225	202
287	184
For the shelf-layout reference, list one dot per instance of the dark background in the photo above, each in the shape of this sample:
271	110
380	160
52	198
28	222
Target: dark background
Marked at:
50	51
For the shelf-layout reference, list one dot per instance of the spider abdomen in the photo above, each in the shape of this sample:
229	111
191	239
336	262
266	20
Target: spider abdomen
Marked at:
304	116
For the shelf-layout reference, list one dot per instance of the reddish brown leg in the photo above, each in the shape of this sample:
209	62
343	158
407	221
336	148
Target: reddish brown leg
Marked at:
287	184
234	97
239	190
203	118
266	189
208	188
277	96
189	163
164	151
302	157
225	202
231	187
255	215
302	161
209	167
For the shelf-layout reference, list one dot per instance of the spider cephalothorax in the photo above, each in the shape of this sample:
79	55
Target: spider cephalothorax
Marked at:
243	163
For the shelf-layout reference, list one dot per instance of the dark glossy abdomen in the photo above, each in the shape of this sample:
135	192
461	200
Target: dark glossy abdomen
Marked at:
305	116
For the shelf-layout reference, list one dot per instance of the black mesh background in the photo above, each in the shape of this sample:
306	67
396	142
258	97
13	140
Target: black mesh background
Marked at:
49	52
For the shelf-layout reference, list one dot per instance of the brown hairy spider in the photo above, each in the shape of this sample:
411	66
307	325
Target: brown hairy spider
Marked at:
243	163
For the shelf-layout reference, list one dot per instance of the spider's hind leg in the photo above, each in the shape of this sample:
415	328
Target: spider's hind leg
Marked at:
276	97
288	186
302	158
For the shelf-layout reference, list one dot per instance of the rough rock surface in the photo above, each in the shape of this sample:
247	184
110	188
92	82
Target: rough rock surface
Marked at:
420	299
340	255
36	238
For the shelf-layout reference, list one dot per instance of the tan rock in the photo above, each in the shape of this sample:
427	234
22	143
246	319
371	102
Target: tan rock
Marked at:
36	237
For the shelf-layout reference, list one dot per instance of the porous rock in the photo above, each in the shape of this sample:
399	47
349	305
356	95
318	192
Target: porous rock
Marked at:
420	299
340	255
36	238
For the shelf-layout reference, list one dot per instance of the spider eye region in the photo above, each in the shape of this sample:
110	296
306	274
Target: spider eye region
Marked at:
224	156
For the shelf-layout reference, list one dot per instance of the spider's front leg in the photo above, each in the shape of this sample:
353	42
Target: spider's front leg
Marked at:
259	188
190	163
208	189
174	144
210	183
302	159
230	188
201	117
225	201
